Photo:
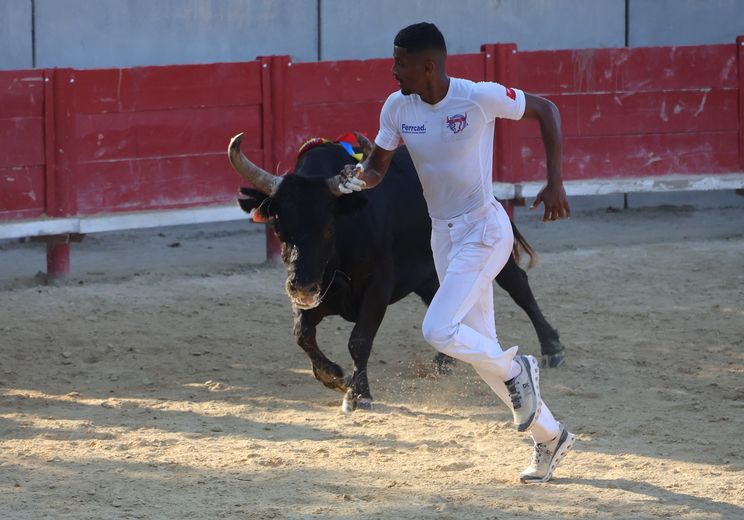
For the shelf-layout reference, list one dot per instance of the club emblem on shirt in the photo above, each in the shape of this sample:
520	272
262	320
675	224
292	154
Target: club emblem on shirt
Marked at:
457	123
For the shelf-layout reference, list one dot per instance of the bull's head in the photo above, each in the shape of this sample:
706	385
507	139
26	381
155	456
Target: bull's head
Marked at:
303	213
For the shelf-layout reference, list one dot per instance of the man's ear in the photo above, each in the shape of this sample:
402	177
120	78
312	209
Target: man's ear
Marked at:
351	203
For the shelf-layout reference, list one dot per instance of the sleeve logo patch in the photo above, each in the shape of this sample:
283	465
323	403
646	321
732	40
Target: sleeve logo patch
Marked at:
510	93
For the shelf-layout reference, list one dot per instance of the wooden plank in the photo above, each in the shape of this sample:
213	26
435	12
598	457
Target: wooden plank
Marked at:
169	87
50	142
21	192
663	112
468	66
156	133
637	69
21	93
21	118
61	143
313	121
156	183
21	141
505	73
342	81
740	59
633	155
267	124
642	113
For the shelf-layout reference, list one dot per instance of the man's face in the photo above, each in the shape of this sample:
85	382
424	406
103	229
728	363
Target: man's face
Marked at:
410	70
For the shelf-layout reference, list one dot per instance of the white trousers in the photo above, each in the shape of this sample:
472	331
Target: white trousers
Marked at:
469	251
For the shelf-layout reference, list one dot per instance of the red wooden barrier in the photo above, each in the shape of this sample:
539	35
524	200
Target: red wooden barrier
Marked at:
22	158
634	112
84	142
740	62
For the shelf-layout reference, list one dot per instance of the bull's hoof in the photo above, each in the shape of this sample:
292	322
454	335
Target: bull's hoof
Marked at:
443	364
553	360
332	376
351	403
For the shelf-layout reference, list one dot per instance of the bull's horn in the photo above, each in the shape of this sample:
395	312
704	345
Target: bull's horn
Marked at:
364	144
262	180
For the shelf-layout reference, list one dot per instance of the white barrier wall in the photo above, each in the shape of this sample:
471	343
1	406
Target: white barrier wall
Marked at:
122	33
684	22
466	24
15	34
118	33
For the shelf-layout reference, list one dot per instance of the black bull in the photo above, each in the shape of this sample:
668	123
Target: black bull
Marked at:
356	254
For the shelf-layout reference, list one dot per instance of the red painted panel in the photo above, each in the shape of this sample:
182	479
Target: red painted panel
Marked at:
21	192
342	81
21	93
632	156
313	120
740	62
642	113
172	87
187	131
662	112
21	123
369	80
21	141
151	184
468	66
628	70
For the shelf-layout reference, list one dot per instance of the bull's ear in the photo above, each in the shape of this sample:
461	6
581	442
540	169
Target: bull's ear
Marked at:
350	204
248	205
253	200
253	194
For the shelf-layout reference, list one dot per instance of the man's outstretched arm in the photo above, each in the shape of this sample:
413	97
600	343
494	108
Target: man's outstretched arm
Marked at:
553	195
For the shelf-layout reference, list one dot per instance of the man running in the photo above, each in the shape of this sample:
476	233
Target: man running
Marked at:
448	125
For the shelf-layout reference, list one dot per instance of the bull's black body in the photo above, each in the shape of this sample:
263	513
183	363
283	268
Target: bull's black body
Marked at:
366	251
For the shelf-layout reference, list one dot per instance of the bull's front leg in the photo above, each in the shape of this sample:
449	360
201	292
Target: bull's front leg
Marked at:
371	313
325	370
513	279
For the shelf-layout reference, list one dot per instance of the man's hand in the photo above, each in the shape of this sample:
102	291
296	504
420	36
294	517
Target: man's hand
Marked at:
555	200
350	179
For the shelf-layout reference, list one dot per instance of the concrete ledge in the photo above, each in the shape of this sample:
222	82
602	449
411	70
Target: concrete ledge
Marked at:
502	190
120	221
667	183
505	190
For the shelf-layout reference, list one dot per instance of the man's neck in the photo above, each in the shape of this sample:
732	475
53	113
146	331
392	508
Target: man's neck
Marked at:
437	91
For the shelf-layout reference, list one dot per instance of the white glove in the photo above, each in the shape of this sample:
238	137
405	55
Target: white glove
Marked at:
352	183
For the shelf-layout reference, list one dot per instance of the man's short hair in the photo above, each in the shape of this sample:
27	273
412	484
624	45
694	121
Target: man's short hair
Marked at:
420	37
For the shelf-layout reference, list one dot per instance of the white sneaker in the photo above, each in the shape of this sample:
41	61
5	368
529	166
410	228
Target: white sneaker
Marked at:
547	456
524	391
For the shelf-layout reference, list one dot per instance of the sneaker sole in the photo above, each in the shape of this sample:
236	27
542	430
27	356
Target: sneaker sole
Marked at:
535	379
560	454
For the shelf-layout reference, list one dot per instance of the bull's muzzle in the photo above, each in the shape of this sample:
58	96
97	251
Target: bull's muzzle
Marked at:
303	296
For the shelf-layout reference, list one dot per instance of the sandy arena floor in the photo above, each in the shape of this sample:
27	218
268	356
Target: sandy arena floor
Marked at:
163	382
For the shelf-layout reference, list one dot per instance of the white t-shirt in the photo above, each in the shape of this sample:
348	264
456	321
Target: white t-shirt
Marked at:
451	142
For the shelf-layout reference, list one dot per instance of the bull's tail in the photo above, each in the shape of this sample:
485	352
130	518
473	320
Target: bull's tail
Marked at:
521	243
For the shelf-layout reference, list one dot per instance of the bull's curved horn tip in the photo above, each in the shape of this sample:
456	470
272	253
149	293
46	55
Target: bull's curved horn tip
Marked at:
235	141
